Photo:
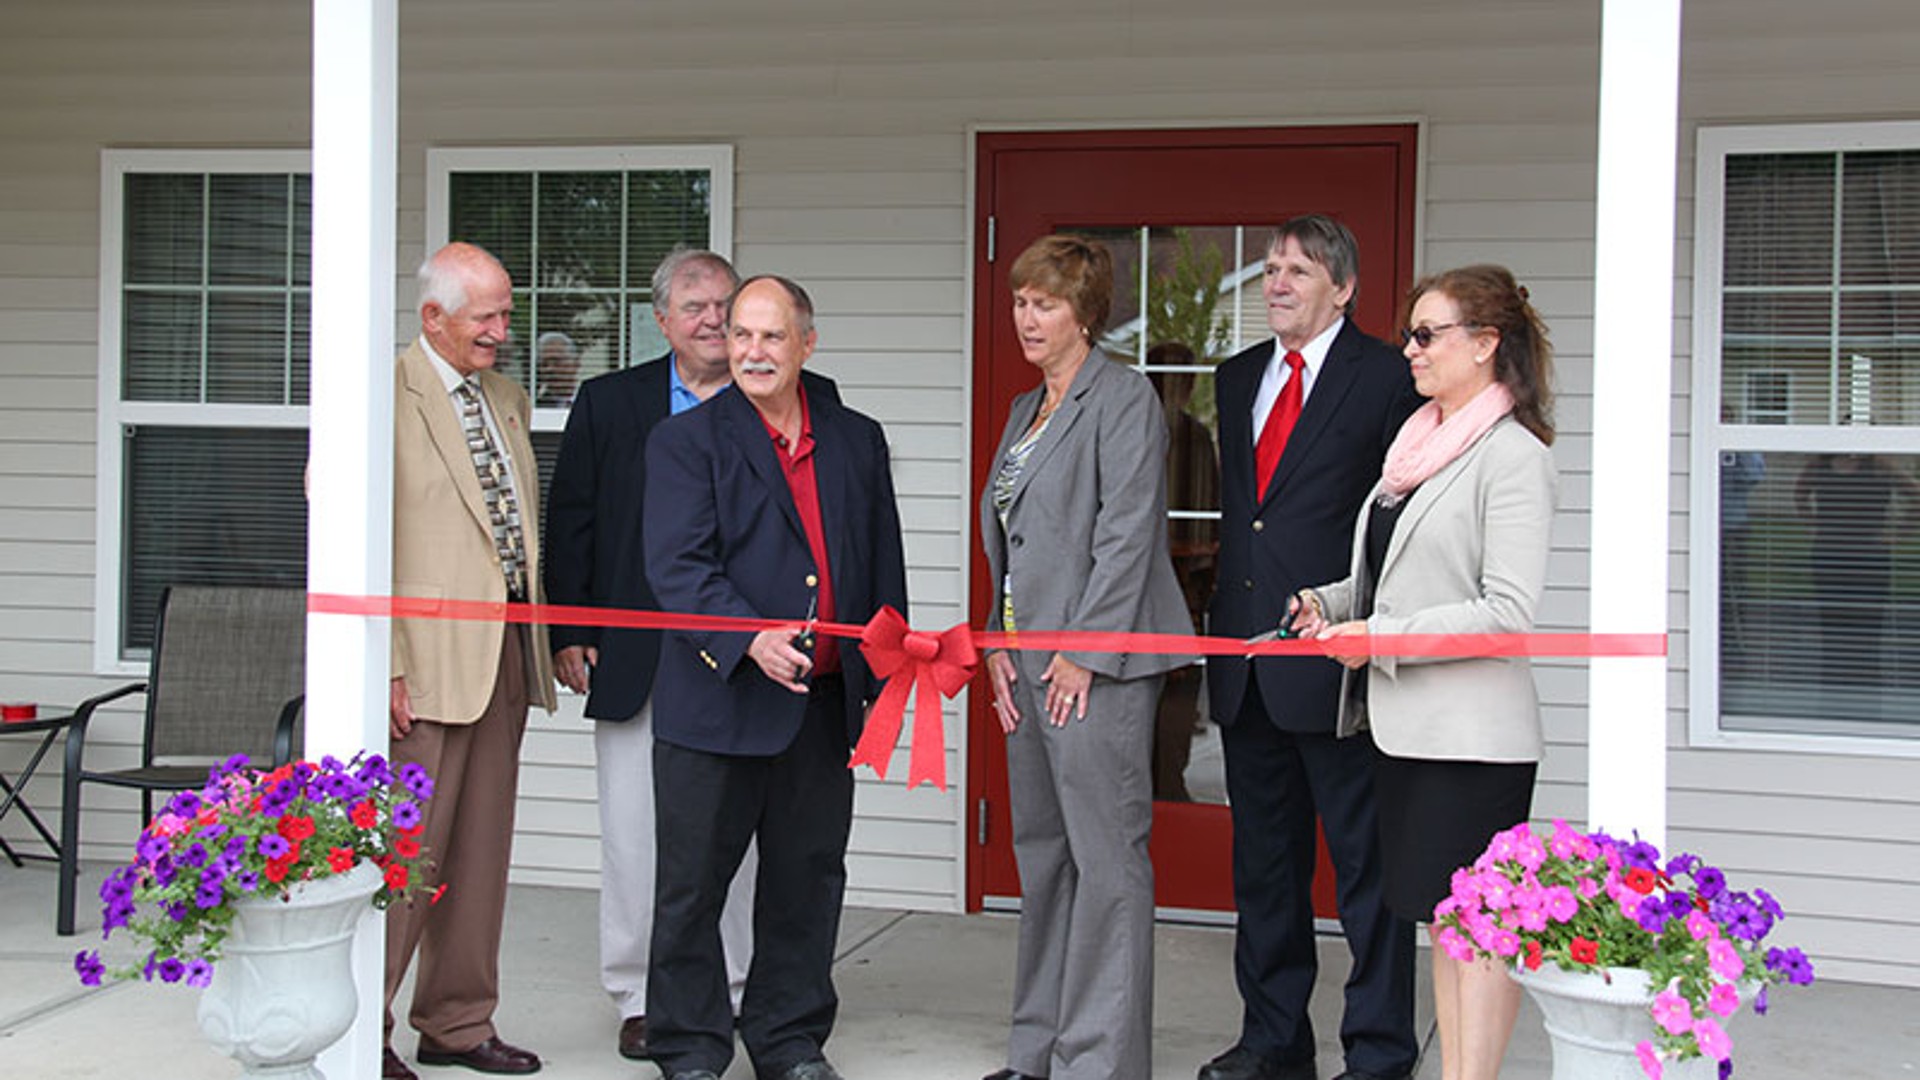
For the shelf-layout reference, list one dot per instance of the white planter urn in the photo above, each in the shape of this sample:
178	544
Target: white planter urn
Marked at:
283	989
1595	1019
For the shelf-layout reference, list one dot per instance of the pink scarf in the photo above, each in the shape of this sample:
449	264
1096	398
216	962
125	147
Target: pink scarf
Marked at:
1426	444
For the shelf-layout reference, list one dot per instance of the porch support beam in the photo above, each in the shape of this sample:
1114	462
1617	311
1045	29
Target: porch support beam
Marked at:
1632	409
350	515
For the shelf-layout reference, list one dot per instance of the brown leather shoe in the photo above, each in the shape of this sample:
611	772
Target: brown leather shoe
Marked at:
633	1038
393	1068
492	1056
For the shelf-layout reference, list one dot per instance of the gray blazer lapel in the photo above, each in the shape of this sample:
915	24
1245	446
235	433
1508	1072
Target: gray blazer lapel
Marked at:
1062	422
1425	496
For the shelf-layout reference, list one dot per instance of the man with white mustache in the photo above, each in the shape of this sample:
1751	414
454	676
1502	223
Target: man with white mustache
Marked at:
465	489
769	502
595	557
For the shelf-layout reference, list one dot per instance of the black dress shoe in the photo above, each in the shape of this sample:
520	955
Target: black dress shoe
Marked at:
1241	1063
393	1068
492	1056
1361	1074
633	1038
1009	1074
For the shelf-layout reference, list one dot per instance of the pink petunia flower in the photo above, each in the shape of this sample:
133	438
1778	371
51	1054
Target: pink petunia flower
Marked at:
1723	999
1672	1012
1725	960
1649	1059
1701	927
1713	1039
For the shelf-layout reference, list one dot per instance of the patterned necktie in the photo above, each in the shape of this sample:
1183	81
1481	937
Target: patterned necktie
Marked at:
496	484
1273	437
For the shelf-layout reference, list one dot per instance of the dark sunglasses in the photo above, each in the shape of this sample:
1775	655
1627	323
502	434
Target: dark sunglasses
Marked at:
1425	334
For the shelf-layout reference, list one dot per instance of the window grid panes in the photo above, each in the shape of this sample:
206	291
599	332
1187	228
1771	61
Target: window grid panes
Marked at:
1819	343
581	246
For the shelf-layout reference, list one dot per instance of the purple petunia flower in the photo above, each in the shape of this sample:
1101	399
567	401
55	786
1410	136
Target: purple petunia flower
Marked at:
1679	905
88	966
149	847
273	845
234	764
373	770
199	973
406	814
1769	905
176	911
1641	854
164	871
1682	864
186	804
1744	919
194	857
209	895
1791	963
1760	1002
1726	1068
247	880
171	969
415	777
1710	882
1652	917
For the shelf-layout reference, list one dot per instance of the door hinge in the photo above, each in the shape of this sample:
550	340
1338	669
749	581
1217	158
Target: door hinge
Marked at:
990	238
980	823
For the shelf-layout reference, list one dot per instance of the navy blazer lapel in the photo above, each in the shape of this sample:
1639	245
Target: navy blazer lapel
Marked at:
832	469
746	430
1238	383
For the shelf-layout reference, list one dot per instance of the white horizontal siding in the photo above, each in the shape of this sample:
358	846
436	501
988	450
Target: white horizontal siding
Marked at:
850	120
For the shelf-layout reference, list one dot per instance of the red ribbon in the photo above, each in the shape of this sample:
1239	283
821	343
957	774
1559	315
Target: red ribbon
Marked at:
929	666
934	665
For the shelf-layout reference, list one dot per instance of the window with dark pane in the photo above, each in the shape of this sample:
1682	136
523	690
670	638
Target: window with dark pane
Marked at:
1819	552
581	246
209	506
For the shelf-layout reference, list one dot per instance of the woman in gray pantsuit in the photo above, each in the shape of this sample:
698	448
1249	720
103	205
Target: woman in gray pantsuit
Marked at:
1075	530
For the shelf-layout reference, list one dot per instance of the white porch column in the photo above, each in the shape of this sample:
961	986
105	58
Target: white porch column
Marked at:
1632	410
350	515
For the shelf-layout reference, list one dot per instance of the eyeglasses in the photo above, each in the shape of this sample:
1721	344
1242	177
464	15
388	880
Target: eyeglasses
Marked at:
1425	334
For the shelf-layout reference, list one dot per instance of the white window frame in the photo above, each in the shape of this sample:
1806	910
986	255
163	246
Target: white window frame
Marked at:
716	158
114	414
1710	436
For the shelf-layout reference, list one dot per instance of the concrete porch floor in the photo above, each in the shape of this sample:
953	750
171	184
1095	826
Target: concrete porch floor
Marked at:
921	996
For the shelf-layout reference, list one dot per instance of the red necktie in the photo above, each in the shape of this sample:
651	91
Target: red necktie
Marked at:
1286	410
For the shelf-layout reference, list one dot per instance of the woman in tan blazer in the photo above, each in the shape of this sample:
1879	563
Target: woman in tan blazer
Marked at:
1453	540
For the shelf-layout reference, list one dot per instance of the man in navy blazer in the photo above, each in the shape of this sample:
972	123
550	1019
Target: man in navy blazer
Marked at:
595	559
771	502
1283	762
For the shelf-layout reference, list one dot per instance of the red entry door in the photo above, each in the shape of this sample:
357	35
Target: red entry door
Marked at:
1187	214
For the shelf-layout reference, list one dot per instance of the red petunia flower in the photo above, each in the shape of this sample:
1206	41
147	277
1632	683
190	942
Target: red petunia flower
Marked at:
340	860
364	814
295	828
277	869
406	847
1533	956
1583	951
438	893
1640	880
397	877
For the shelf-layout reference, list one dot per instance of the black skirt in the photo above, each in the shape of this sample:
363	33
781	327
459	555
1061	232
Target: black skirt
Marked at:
1437	816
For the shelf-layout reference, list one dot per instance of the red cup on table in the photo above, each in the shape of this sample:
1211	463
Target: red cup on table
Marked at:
18	712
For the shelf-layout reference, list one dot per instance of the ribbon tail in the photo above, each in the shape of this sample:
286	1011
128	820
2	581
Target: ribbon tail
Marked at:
927	760
882	730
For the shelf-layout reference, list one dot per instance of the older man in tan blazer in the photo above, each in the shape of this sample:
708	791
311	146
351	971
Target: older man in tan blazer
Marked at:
465	489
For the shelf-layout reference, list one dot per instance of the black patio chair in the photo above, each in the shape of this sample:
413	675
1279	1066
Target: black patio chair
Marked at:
227	661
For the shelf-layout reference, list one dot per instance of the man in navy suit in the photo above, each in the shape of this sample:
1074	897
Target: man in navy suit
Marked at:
772	502
594	559
1304	422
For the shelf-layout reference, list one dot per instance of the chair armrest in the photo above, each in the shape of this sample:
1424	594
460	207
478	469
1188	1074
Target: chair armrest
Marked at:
283	730
83	713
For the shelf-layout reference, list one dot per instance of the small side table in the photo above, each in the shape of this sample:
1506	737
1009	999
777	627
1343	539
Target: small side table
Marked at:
49	730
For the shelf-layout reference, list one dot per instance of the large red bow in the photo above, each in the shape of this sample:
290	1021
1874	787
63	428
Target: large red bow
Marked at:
939	665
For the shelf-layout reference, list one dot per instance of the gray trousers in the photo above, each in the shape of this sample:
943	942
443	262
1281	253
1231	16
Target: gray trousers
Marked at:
1082	812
